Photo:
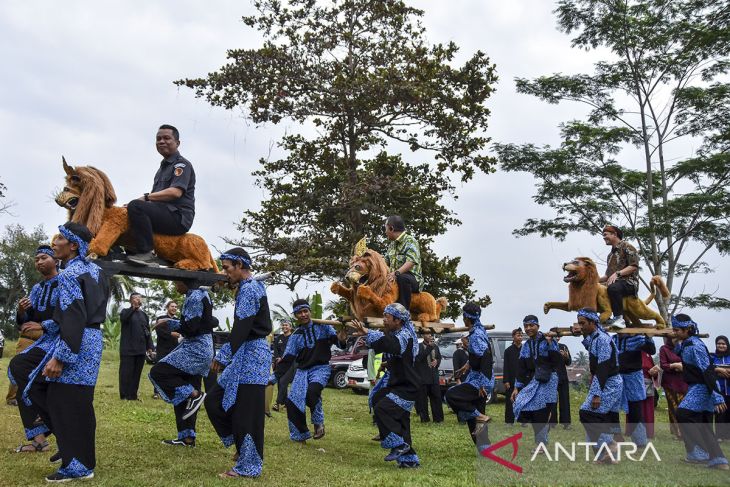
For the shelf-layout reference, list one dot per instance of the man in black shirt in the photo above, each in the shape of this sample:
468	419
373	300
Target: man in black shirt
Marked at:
170	208
461	356
427	365
134	342
563	404
282	371
511	366
166	340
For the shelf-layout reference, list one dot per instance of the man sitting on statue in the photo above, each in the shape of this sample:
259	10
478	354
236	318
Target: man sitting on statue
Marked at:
404	260
622	272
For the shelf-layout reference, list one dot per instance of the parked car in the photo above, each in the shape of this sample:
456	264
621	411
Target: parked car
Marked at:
500	340
341	362
357	377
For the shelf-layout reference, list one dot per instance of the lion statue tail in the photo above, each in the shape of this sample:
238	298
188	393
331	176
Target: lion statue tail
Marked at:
441	304
657	283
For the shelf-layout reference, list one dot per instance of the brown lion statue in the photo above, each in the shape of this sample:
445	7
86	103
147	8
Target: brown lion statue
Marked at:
89	198
584	291
370	292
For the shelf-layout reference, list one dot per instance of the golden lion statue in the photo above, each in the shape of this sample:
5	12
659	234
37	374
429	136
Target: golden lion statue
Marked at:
89	198
370	291
584	291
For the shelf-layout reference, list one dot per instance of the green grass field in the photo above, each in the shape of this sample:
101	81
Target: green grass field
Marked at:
129	452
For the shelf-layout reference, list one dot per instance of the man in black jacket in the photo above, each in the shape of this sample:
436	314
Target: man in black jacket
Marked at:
427	365
461	356
134	342
563	404
283	371
511	366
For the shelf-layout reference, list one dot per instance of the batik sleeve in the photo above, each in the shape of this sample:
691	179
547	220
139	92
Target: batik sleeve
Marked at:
383	343
70	314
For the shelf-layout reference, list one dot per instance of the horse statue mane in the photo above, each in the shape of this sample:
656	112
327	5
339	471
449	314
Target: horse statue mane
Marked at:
89	197
368	290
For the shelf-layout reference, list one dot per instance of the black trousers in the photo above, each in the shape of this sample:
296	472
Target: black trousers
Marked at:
465	398
430	393
148	217
407	285
391	418
283	384
634	416
245	417
696	430
539	419
20	367
509	414
722	422
597	424
617	291
299	418
70	409
130	371
168	378
562	407
210	381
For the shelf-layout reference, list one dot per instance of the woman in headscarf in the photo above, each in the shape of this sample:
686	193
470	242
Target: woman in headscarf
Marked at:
721	359
672	382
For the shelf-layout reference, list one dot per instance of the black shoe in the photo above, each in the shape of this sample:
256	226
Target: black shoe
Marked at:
177	442
144	259
55	458
397	452
57	478
193	405
318	431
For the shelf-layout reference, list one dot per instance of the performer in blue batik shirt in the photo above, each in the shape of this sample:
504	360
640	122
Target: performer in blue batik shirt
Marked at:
536	388
393	410
695	412
468	399
38	307
310	346
178	376
629	365
599	411
73	343
235	405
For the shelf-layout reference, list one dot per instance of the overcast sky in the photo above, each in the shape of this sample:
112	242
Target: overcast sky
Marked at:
93	81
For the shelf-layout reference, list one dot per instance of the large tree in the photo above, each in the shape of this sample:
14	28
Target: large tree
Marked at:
364	83
17	271
659	94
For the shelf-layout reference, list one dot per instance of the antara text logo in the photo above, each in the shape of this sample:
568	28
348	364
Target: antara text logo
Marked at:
572	452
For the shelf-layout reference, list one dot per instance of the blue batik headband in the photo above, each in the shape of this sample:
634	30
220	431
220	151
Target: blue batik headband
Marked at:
590	315
72	237
531	322
300	307
397	310
44	249
684	324
240	258
471	316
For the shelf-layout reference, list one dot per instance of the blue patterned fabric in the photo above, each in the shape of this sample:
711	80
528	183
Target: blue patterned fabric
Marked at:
465	416
698	455
684	324
72	237
590	315
75	469
181	435
722	384
536	395
403	335
300	307
307	336
249	462
600	345
39	290
181	392
240	258
227	440
248	298
479	344
409	458
31	433
402	403
318	413
478	380
380	384
250	365
295	435
193	355
223	356
407	330
392	441
319	374
698	398
634	389
85	370
193	305
47	342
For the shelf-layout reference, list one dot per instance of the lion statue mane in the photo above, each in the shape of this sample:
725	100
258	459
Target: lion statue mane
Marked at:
89	198
369	290
584	291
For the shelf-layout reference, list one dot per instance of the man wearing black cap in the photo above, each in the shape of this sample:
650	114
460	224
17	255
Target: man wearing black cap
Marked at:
622	272
32	311
170	208
73	360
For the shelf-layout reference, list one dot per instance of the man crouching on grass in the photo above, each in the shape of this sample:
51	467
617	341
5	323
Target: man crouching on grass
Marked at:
393	410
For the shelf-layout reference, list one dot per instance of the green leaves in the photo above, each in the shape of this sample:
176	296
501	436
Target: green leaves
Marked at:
363	74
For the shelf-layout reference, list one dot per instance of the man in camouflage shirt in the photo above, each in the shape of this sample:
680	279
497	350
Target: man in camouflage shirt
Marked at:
404	260
622	272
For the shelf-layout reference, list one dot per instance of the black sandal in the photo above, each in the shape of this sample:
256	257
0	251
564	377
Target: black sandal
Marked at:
33	447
